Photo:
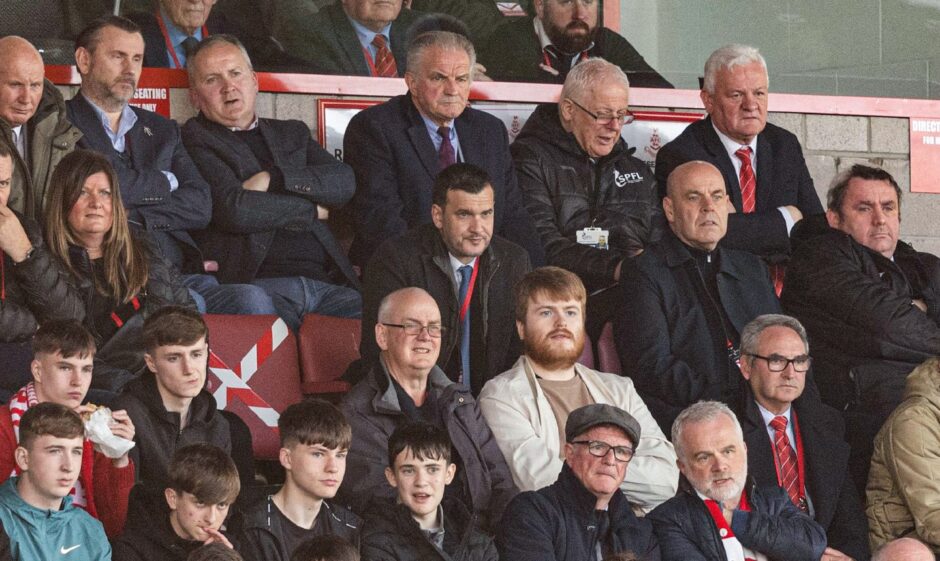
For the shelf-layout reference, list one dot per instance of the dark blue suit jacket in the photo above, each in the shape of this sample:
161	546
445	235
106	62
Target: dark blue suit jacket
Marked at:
153	145
395	162
782	180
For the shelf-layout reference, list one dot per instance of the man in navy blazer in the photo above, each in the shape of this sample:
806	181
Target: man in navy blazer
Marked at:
735	97
397	148
774	361
160	186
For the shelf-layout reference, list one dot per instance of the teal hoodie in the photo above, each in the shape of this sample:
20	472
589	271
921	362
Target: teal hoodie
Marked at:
67	534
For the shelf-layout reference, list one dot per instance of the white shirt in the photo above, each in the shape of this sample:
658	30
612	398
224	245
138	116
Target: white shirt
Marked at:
455	264
19	140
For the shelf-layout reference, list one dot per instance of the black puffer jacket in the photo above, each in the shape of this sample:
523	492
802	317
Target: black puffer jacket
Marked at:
36	290
565	190
390	533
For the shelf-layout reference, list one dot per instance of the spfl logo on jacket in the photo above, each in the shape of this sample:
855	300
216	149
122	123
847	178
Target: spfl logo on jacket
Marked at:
621	179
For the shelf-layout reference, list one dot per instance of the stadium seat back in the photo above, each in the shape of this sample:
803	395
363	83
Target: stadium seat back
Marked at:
327	345
607	358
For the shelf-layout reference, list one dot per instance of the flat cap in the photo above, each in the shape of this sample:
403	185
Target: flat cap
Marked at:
584	418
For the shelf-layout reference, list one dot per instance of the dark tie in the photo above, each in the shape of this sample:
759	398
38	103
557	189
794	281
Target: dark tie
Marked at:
787	461
446	156
465	273
385	66
189	45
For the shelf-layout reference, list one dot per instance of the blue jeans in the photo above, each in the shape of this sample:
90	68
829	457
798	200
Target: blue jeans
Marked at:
296	296
214	298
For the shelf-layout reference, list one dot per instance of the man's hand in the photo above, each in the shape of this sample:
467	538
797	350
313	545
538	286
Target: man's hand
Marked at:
834	555
216	536
795	214
13	239
121	425
258	182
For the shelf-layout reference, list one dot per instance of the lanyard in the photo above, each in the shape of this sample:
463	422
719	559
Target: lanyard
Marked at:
465	305
117	319
166	39
801	475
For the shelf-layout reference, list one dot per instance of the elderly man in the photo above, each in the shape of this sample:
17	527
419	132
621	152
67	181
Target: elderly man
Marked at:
583	514
581	181
904	549
527	406
269	178
762	164
468	271
405	384
720	514
32	124
562	34
398	147
686	300
794	441
160	186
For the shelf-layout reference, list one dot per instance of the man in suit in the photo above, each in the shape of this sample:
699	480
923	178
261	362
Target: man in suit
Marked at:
32	124
737	139
796	442
271	184
398	147
468	271
164	194
686	300
562	34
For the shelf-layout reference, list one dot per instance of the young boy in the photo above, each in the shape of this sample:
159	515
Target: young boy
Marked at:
36	510
63	356
315	438
203	483
326	548
419	527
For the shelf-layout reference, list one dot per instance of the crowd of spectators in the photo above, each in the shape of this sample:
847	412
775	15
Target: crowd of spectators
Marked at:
480	273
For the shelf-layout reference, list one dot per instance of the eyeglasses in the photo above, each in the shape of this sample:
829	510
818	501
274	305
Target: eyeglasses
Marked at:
600	449
777	363
624	117
434	330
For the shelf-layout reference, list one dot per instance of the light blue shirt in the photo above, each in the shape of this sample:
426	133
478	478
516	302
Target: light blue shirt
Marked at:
119	139
177	36
437	140
366	36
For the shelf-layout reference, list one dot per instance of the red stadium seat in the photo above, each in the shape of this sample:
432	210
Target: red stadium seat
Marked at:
587	355
328	345
607	358
254	373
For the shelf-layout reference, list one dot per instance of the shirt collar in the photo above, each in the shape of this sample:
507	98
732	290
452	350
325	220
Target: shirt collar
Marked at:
177	35
456	264
731	145
366	35
252	126
126	123
432	127
768	416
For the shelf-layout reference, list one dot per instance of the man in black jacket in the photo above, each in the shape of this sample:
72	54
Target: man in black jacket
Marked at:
269	180
719	515
797	442
583	515
469	272
686	300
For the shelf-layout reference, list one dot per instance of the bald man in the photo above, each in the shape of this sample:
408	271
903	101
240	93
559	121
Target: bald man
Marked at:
686	300
32	124
903	549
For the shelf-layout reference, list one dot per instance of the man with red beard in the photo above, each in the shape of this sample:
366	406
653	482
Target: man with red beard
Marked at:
562	34
468	271
527	406
719	513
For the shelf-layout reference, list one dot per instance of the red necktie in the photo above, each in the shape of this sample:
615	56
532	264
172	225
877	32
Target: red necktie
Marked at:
384	61
748	184
787	461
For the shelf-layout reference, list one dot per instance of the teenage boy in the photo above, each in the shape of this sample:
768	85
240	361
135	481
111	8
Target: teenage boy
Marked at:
203	483
36	510
63	356
315	439
419	527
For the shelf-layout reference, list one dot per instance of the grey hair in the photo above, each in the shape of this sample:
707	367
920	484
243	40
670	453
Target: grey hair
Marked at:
700	412
728	57
445	40
385	306
211	41
750	335
586	75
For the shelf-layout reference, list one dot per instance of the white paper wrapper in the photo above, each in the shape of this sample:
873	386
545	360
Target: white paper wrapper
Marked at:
98	431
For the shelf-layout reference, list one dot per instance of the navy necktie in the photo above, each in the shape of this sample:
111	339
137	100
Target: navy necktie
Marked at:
446	156
465	273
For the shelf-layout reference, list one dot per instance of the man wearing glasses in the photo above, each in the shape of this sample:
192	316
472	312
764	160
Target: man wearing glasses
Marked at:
406	385
583	516
592	202
795	441
468	271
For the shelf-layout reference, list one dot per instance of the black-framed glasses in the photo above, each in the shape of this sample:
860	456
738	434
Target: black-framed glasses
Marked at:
624	117
434	330
600	449
777	363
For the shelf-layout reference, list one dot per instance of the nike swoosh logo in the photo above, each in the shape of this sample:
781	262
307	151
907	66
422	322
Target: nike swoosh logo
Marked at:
67	550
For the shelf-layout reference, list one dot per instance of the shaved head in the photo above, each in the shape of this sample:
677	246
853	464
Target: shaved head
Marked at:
21	80
681	175
903	549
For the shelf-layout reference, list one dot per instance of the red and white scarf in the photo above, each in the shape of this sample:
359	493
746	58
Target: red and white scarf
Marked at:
734	550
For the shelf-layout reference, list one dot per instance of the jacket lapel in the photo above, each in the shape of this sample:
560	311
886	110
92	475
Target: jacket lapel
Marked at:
84	117
470	137
720	155
420	140
765	173
348	41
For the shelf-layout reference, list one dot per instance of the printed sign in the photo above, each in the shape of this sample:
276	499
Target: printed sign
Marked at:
153	99
925	155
